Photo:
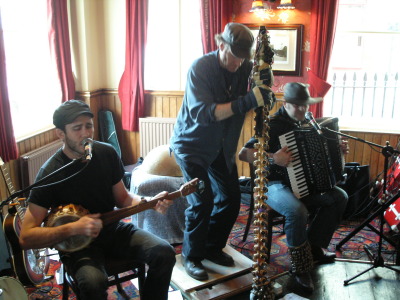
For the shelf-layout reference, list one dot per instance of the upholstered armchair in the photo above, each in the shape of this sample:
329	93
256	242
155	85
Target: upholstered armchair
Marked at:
159	172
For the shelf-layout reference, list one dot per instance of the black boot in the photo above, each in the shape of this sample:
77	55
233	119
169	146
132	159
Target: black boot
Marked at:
302	263
220	258
321	257
305	281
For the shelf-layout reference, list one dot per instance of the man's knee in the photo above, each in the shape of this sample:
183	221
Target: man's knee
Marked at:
93	282
341	198
164	255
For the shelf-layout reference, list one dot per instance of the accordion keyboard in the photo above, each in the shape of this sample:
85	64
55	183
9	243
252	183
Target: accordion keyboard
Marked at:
310	170
295	168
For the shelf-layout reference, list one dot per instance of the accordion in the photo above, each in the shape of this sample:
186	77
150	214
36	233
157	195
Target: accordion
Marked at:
318	162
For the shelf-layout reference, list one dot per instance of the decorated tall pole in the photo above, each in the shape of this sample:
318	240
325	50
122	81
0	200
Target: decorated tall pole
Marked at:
261	75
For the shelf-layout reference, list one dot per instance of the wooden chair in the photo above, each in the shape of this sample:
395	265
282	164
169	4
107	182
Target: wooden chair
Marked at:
114	267
274	218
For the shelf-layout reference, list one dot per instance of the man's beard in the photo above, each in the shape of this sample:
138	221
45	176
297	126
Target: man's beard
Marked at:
75	147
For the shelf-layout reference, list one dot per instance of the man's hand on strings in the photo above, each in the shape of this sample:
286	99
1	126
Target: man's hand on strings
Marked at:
162	205
89	225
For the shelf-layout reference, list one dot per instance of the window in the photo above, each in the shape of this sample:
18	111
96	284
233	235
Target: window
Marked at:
365	66
33	87
173	43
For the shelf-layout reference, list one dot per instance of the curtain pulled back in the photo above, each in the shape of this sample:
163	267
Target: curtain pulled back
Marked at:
8	146
131	85
57	16
322	33
214	14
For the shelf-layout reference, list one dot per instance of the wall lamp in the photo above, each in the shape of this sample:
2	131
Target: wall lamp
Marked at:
258	8
286	4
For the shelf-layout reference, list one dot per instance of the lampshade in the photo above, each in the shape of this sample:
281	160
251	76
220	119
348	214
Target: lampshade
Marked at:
258	8
286	4
257	5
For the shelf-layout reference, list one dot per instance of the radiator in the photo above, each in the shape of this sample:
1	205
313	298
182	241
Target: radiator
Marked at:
154	132
32	161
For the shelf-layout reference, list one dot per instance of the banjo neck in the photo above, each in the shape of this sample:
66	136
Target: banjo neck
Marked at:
119	214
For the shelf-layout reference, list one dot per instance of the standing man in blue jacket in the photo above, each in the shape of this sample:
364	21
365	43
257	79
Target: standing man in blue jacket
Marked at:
205	140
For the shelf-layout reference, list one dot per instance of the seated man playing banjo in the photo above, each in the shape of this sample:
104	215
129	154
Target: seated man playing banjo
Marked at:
92	187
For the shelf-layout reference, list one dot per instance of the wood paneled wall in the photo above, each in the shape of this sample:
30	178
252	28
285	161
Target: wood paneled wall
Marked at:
367	155
24	146
167	104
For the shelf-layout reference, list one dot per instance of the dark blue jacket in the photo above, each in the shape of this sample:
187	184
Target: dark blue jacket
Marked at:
197	136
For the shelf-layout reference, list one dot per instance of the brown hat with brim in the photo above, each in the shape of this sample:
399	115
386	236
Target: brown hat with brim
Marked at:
297	93
239	38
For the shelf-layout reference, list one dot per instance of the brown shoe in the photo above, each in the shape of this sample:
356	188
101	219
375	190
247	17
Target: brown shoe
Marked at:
194	268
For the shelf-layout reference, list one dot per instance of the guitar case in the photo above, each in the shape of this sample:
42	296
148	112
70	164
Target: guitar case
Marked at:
107	131
108	134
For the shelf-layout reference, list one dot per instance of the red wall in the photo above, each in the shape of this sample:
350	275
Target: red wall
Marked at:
300	15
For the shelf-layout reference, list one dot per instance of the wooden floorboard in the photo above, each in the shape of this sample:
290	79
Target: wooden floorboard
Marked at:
377	284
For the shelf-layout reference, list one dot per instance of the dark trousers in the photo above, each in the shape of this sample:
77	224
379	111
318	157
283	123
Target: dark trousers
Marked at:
122	240
211	214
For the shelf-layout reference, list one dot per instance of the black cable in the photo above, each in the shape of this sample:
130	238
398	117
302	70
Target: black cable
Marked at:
64	179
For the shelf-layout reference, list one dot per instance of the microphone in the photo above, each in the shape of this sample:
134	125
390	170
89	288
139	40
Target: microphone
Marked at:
87	144
309	116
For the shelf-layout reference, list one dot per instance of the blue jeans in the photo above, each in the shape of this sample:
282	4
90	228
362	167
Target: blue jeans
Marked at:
211	214
328	208
122	240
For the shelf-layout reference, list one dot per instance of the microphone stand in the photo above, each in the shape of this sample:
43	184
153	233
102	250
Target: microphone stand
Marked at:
28	188
12	210
377	260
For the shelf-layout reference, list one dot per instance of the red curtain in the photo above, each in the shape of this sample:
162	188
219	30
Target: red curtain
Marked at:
8	146
131	85
215	14
322	33
57	16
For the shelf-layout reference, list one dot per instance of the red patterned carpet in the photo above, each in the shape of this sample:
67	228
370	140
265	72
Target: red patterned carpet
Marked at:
51	290
353	249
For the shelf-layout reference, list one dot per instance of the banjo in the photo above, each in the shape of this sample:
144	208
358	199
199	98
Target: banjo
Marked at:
73	212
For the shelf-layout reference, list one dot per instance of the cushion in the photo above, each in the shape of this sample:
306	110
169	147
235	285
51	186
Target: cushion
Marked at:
159	161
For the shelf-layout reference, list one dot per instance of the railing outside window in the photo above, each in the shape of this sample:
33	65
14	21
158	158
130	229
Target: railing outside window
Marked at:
364	101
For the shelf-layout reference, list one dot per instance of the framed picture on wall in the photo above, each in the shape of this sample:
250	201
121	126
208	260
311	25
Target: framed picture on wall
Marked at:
286	42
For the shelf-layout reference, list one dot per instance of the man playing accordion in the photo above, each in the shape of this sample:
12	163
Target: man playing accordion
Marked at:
306	238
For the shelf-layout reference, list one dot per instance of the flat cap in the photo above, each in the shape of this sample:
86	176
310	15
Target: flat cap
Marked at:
67	112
